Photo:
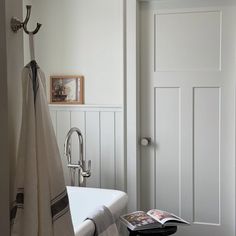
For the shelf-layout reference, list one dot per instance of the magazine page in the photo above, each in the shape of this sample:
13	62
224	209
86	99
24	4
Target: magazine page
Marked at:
139	220
164	216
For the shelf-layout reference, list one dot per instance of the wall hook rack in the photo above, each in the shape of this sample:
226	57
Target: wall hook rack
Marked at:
16	24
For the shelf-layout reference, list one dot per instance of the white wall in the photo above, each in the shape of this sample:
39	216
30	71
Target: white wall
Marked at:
82	37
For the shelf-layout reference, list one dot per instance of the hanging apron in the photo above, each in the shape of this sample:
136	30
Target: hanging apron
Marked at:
41	206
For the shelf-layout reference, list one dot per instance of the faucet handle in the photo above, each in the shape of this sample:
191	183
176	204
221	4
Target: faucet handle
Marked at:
87	172
74	166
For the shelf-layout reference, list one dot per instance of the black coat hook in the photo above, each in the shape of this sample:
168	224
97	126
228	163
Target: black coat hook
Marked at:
16	24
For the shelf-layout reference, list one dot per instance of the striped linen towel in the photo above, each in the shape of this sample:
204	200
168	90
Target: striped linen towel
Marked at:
40	206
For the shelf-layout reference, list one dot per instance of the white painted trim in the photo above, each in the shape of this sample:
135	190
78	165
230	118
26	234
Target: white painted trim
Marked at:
4	167
112	108
132	107
124	96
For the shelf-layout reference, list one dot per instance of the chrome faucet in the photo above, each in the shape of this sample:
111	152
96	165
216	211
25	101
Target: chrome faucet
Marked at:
81	165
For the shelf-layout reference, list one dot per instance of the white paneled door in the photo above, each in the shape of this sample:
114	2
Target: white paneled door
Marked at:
188	110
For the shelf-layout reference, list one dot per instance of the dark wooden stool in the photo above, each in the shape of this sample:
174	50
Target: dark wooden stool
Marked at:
168	230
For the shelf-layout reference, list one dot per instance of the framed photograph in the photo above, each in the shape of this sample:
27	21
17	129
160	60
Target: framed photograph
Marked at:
67	89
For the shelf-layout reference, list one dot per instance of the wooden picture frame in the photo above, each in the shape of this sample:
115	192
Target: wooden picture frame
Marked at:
67	89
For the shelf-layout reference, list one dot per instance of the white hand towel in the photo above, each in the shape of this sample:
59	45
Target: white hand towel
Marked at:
104	222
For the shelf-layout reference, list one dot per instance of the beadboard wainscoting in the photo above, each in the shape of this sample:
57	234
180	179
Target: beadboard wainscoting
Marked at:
102	129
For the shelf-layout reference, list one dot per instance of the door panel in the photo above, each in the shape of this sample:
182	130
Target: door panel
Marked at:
167	151
183	40
187	108
206	154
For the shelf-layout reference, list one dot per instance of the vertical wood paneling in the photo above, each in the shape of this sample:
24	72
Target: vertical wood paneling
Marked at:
93	147
108	172
77	120
103	143
119	154
206	155
167	123
63	126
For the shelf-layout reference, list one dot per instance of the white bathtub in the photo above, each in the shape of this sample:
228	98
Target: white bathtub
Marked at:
85	200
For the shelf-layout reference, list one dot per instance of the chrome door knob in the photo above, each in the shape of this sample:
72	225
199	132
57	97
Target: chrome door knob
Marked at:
145	141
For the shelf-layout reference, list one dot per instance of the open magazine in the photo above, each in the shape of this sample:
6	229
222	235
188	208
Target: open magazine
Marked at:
140	220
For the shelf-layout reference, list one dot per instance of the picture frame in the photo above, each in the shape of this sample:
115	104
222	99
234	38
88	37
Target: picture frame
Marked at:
67	89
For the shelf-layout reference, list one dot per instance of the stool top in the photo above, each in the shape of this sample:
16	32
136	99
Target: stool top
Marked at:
168	230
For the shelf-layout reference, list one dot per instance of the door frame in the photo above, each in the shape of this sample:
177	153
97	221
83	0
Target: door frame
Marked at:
4	167
131	103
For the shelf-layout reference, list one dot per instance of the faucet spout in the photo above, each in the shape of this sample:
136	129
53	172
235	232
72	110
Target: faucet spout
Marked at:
81	165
